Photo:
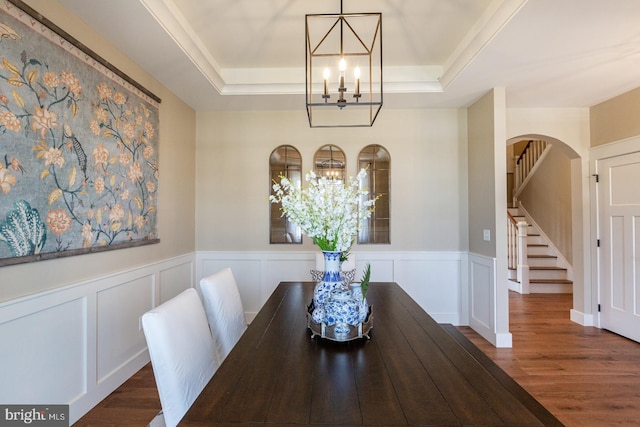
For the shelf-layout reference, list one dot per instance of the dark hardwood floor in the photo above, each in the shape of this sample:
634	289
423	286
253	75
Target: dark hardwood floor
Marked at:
584	376
134	403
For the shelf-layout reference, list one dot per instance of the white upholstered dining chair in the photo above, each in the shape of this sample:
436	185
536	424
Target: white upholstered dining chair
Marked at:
224	310
182	352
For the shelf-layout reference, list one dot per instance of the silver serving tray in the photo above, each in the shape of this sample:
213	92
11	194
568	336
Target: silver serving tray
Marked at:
361	330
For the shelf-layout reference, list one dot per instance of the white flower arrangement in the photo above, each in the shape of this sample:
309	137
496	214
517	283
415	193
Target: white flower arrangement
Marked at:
327	210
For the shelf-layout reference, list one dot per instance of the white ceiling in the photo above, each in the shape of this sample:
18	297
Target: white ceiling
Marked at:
249	54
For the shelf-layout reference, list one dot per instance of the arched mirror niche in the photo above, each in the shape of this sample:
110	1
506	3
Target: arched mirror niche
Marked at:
375	159
284	160
330	161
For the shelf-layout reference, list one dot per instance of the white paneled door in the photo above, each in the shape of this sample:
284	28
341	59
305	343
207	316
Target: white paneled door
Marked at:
619	227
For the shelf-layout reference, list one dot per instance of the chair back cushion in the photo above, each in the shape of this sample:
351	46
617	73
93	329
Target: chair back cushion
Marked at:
182	352
224	310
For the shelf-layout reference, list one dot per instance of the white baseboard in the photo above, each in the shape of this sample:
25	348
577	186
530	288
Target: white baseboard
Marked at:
582	318
515	286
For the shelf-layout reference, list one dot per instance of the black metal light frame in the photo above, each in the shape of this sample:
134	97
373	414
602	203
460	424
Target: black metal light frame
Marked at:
368	102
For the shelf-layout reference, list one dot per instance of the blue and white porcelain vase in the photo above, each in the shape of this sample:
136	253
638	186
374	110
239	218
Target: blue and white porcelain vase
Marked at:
330	280
342	310
363	307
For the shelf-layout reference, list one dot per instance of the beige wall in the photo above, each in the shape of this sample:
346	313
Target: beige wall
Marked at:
176	217
547	197
615	119
488	288
482	190
566	128
428	178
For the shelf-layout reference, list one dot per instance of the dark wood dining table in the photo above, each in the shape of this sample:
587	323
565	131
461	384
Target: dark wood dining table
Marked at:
412	371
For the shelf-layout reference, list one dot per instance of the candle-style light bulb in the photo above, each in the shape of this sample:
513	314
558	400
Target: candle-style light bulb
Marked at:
342	66
356	74
326	80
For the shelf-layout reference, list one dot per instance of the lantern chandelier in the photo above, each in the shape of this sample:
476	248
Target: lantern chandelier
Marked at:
343	68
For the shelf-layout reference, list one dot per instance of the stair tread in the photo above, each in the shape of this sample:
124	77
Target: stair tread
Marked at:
542	256
548	281
537	245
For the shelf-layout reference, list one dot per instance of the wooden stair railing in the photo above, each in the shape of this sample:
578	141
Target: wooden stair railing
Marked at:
525	165
517	251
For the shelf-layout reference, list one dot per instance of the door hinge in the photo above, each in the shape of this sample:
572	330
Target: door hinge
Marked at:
598	308
597	177
598	243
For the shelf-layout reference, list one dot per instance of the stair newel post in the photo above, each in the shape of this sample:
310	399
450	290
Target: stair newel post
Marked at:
523	267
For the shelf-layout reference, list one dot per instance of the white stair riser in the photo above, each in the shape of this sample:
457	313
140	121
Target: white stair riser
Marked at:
535	240
550	288
539	250
548	274
543	262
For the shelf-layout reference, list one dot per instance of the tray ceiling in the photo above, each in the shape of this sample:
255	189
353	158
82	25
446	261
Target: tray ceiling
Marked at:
248	54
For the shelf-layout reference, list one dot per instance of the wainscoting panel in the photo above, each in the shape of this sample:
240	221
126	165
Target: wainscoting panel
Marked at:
43	354
383	268
76	344
482	295
246	270
291	268
435	284
120	336
434	279
174	280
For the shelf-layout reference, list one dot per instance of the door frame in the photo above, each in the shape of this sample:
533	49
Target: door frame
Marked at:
600	153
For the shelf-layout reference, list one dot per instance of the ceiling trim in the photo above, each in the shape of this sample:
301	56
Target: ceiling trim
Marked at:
497	15
270	81
167	14
290	81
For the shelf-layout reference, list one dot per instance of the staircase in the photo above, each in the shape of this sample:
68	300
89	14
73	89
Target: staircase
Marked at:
535	266
547	272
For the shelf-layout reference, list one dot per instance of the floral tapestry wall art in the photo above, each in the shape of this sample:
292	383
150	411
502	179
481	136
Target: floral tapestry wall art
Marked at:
78	146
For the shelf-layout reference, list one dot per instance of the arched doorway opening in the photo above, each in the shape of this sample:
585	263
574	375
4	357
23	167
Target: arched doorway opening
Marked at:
561	174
